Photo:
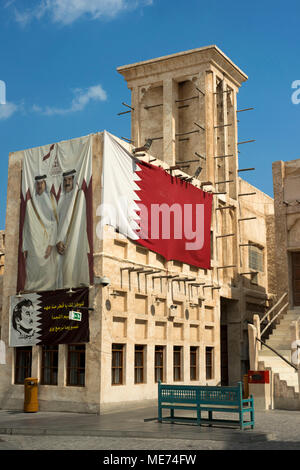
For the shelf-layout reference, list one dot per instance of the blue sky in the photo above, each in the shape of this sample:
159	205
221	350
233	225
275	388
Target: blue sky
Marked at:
59	60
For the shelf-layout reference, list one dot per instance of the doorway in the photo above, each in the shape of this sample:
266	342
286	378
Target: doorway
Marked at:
295	264
230	342
224	355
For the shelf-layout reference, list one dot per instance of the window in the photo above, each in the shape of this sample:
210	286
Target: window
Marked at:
117	364
177	363
139	364
49	367
209	359
1	263
23	364
194	363
159	371
256	258
76	365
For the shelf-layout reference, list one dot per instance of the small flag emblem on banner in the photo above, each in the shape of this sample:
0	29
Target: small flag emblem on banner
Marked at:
74	315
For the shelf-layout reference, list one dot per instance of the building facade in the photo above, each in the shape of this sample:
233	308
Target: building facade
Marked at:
286	177
186	104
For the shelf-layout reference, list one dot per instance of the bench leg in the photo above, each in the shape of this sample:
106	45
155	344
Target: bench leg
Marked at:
198	415
159	414
241	420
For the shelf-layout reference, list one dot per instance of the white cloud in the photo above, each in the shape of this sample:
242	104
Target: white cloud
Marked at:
68	11
81	99
7	110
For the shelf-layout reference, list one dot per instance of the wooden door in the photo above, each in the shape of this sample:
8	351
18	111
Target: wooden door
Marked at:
224	356
296	277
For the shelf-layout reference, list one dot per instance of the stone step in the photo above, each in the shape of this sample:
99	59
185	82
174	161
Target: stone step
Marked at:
290	377
291	316
279	343
286	321
286	376
276	364
267	352
280	347
282	333
283	371
287	372
285	325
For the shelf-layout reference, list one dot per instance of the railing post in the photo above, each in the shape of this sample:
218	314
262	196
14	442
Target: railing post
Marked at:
253	346
256	323
295	344
159	411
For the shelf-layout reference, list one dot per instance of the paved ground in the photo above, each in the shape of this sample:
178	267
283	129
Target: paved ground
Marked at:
139	429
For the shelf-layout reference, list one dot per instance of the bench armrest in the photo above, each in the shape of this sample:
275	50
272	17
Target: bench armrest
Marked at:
247	400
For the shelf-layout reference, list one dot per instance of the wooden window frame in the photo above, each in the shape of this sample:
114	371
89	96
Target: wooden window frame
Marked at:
53	369
78	353
177	352
27	352
159	369
209	362
117	348
194	369
256	257
141	350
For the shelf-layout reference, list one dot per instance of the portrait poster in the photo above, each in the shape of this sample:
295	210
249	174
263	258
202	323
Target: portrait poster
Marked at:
44	318
55	231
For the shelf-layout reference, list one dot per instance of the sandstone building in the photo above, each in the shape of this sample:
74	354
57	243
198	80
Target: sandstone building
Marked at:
186	104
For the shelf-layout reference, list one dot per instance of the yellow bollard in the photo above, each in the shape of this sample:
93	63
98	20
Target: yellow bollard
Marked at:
31	404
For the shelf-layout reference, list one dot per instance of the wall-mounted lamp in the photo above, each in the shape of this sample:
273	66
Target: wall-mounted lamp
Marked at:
101	281
116	293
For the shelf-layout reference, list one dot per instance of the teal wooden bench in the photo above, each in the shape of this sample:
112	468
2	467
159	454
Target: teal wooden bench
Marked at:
211	399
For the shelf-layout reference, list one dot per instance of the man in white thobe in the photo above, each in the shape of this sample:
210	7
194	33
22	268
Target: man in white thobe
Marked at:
72	242
39	238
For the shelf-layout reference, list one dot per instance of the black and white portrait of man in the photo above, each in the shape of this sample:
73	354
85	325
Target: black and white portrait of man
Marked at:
24	327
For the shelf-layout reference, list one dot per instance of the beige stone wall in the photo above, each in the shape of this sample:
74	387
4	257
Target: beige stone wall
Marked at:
136	312
286	182
2	262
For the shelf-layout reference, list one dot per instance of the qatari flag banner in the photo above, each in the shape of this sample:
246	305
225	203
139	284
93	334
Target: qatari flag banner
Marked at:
44	318
157	210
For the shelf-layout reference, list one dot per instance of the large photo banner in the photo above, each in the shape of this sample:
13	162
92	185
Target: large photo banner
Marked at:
56	236
49	318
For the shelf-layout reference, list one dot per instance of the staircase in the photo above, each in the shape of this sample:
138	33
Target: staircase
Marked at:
286	380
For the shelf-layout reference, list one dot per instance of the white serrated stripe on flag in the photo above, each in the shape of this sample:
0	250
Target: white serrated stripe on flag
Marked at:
120	191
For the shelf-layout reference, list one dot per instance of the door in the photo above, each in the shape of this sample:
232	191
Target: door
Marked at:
224	356
296	278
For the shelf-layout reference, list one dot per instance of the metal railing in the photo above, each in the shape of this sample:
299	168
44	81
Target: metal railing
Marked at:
279	355
272	318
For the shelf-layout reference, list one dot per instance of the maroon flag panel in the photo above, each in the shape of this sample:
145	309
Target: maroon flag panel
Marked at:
175	217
